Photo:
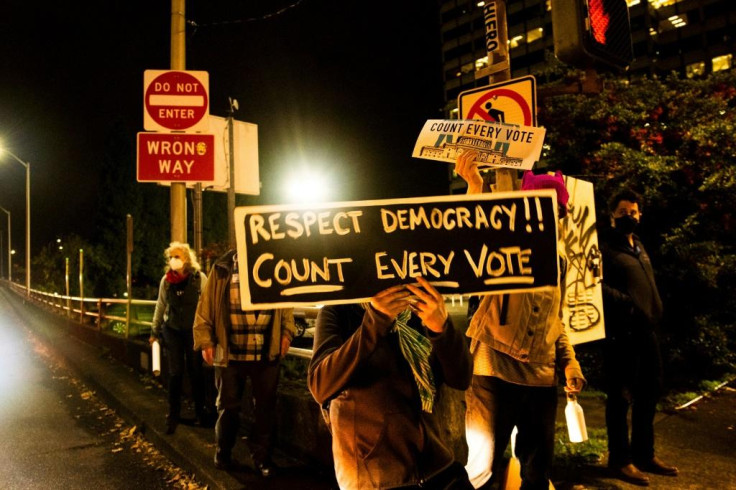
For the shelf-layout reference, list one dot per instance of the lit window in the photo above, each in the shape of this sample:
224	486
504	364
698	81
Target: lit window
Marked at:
534	35
662	3
480	4
467	68
515	41
548	5
724	62
481	63
677	21
631	3
695	69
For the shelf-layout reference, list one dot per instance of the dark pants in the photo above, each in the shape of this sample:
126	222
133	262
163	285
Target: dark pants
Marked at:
230	381
633	379
453	477
181	356
494	407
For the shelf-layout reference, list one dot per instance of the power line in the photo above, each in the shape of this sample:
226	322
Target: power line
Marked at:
248	19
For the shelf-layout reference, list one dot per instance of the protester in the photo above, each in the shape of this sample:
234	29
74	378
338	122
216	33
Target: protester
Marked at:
173	319
633	363
241	344
376	370
517	342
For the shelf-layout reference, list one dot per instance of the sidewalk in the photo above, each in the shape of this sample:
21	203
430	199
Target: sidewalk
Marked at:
700	440
144	405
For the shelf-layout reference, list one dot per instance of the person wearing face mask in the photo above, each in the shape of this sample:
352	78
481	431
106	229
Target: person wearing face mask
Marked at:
519	345
173	320
633	364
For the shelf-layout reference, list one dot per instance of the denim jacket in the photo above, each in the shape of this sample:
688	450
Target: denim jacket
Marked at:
527	327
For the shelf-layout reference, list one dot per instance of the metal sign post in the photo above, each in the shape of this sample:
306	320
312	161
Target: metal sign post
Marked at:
499	68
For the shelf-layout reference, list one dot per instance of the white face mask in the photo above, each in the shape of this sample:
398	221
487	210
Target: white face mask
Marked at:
176	264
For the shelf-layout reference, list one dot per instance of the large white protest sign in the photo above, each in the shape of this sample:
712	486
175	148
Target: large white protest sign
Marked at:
583	308
297	255
497	144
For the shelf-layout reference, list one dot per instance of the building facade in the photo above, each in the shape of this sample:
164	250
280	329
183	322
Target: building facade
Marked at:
692	37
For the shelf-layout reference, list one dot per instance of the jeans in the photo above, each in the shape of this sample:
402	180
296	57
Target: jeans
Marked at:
230	382
494	407
181	356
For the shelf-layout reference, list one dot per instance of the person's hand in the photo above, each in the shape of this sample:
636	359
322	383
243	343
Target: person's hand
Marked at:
467	168
391	301
430	306
574	385
285	343
208	354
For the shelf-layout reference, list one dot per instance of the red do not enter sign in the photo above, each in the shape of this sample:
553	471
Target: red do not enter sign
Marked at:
176	100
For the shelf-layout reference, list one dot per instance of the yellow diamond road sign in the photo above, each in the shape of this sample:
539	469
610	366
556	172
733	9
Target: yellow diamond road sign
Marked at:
510	102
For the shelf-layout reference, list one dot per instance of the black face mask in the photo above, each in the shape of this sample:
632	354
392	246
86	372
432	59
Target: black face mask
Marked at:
625	224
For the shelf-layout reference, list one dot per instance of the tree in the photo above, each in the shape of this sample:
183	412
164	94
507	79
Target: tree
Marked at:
672	140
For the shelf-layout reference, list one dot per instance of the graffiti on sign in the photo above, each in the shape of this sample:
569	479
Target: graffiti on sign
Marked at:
583	312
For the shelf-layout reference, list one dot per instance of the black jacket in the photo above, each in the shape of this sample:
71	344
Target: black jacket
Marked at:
631	302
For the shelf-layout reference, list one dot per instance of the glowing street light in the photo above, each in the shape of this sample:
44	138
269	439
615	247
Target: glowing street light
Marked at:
27	166
307	187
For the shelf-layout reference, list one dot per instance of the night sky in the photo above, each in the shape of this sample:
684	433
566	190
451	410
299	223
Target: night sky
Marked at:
343	85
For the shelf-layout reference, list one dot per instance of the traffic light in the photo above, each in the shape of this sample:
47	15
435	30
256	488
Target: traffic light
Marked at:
592	32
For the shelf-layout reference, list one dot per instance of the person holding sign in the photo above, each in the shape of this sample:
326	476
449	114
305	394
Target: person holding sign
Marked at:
173	319
633	363
518	341
376	371
241	344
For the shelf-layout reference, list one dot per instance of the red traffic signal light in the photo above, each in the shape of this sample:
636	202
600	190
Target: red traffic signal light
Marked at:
592	32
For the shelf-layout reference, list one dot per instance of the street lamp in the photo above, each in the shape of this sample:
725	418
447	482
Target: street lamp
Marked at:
10	269
27	166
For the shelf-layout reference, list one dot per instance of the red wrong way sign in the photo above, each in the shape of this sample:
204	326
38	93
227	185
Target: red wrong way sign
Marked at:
176	157
175	100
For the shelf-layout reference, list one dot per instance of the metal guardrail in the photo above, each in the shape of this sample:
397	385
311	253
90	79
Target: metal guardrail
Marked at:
130	319
133	318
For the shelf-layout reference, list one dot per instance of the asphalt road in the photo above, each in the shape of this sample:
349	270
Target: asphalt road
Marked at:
56	433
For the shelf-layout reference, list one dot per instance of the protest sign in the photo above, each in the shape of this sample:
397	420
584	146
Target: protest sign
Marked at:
582	311
497	144
294	255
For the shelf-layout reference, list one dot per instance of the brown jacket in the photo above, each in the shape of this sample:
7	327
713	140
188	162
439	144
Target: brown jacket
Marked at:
381	438
212	321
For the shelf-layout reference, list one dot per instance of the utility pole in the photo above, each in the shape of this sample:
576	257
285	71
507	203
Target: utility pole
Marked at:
10	246
499	68
178	62
231	180
197	218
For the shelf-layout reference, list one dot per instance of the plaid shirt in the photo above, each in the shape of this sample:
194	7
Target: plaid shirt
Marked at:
249	329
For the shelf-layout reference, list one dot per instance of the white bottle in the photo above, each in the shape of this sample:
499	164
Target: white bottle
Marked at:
156	354
575	420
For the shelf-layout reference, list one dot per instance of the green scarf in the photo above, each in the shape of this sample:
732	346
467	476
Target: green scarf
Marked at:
416	348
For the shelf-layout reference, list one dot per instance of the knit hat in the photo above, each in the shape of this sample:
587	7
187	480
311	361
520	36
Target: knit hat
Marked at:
544	181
